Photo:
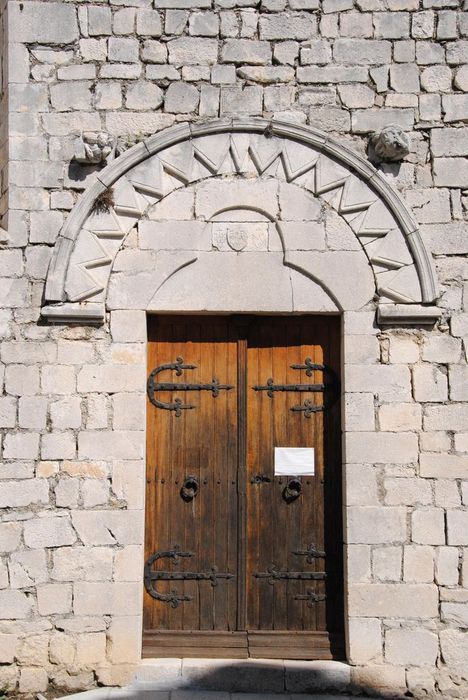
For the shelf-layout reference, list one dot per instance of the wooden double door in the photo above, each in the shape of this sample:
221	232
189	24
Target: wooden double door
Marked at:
243	528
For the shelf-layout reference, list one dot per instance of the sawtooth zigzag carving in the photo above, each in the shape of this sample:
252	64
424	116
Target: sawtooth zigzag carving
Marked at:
246	154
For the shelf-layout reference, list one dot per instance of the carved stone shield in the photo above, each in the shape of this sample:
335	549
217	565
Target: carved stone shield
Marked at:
237	237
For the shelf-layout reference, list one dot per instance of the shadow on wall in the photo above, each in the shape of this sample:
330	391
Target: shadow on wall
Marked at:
211	679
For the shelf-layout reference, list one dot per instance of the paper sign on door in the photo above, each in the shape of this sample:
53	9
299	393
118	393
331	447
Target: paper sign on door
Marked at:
294	461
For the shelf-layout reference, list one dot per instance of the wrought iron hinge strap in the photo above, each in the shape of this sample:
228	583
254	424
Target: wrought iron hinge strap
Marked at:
330	388
273	575
311	598
174	598
311	553
178	405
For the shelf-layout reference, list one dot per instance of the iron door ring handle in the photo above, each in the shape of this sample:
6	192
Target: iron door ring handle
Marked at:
189	488
293	490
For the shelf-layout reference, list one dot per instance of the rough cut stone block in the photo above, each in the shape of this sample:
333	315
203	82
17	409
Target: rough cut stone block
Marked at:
192	51
90	650
17	494
448	417
412	601
143	96
123	50
376	525
404	77
417	647
42	22
374	119
450	172
428	526
148	23
390	382
418	564
49	531
386	563
182	4
454	648
10	535
392	25
204	24
21	446
107	598
449	142
365	640
181	98
54	598
456	613
400	416
106	527
457	527
124	636
362	51
441	349
447	574
236	100
446	239
382	448
122	123
407	491
332	74
110	378
359	412
110	444
99	20
317	52
458	375
429	383
14	605
298	25
8	645
33	680
246	51
455	107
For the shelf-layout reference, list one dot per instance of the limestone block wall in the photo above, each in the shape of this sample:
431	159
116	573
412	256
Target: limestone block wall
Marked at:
72	403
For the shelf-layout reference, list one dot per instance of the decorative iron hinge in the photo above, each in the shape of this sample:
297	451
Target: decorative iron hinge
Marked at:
274	574
330	388
174	598
311	598
310	553
178	405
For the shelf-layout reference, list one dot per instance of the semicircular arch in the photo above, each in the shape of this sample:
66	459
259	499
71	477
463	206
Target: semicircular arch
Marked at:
241	149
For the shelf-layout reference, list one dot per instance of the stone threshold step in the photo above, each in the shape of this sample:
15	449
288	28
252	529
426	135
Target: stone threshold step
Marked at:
245	675
279	678
143	691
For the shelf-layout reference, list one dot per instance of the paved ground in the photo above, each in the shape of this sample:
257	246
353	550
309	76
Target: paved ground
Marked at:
143	692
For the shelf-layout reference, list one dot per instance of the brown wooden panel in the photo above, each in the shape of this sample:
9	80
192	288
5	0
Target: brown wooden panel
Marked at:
201	442
195	644
234	524
278	528
295	645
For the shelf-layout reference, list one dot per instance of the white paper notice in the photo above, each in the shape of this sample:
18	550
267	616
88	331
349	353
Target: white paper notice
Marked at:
294	461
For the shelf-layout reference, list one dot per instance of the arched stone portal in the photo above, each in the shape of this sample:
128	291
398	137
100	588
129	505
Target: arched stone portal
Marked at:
257	217
275	169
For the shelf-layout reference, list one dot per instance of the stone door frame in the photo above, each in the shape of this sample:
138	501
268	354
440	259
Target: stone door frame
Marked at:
126	310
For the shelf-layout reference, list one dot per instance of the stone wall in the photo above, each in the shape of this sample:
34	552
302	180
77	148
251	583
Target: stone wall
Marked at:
72	408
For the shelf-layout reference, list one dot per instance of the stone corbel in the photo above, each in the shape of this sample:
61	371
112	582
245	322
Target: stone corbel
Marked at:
407	315
94	148
390	144
89	313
